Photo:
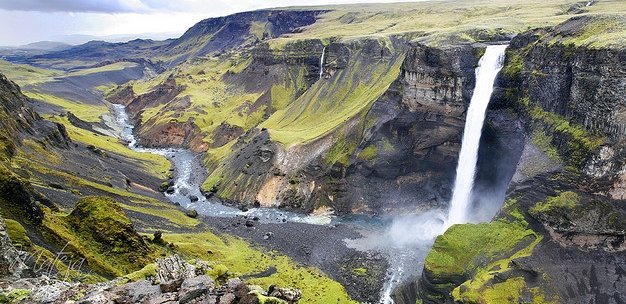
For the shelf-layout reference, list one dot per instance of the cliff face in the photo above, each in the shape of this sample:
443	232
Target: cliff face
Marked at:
417	133
402	146
564	217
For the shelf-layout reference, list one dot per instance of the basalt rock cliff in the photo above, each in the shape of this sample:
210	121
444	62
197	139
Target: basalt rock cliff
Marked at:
564	213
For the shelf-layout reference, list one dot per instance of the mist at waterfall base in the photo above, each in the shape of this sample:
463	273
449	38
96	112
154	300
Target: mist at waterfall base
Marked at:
412	236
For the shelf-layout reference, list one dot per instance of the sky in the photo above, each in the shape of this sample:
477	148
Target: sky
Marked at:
26	21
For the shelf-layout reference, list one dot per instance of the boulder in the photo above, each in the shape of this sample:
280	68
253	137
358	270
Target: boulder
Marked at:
228	298
136	292
192	213
195	287
288	294
174	268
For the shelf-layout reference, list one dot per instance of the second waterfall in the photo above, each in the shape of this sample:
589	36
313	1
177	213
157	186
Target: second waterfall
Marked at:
488	68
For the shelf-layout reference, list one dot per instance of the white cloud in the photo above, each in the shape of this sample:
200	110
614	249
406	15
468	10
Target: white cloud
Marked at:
36	20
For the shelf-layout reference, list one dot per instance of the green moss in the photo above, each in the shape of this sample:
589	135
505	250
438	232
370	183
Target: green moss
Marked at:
17	233
544	142
577	144
514	66
147	272
467	258
330	103
240	259
99	231
219	272
455	251
341	152
361	271
14	296
566	200
602	31
157	165
269	300
368	153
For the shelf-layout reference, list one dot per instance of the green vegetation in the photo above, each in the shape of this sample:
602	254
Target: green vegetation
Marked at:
543	141
361	271
603	31
239	258
17	233
329	104
14	296
455	251
478	253
156	164
566	199
368	153
116	66
437	22
148	271
100	231
578	142
340	152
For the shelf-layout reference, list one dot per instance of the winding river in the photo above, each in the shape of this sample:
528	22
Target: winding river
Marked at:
405	252
185	187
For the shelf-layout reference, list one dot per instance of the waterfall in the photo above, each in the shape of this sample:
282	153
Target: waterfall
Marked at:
490	64
589	3
322	62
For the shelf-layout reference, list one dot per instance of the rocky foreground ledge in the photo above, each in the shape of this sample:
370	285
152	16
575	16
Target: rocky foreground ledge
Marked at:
168	280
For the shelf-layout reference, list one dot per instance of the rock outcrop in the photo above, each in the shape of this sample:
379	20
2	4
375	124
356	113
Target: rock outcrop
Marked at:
11	264
173	281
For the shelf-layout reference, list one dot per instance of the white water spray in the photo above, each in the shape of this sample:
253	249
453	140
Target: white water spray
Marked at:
589	3
322	63
490	64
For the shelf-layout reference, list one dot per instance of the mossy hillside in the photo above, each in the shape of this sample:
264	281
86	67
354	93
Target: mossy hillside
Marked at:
33	78
558	137
436	22
43	260
17	233
213	100
240	258
85	111
157	165
329	103
556	133
601	31
24	74
14	296
472	255
16	197
132	202
99	231
568	211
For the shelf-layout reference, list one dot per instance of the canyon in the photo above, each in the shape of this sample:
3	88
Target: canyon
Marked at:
317	148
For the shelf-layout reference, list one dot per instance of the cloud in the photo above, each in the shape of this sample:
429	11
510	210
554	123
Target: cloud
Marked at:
94	6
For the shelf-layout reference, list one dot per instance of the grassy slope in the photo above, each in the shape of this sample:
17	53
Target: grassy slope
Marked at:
213	101
240	259
441	19
483	253
330	103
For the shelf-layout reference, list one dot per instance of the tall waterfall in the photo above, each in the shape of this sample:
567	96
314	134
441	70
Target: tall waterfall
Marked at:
322	63
490	64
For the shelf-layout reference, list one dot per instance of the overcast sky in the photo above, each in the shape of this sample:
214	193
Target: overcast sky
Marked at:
25	21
